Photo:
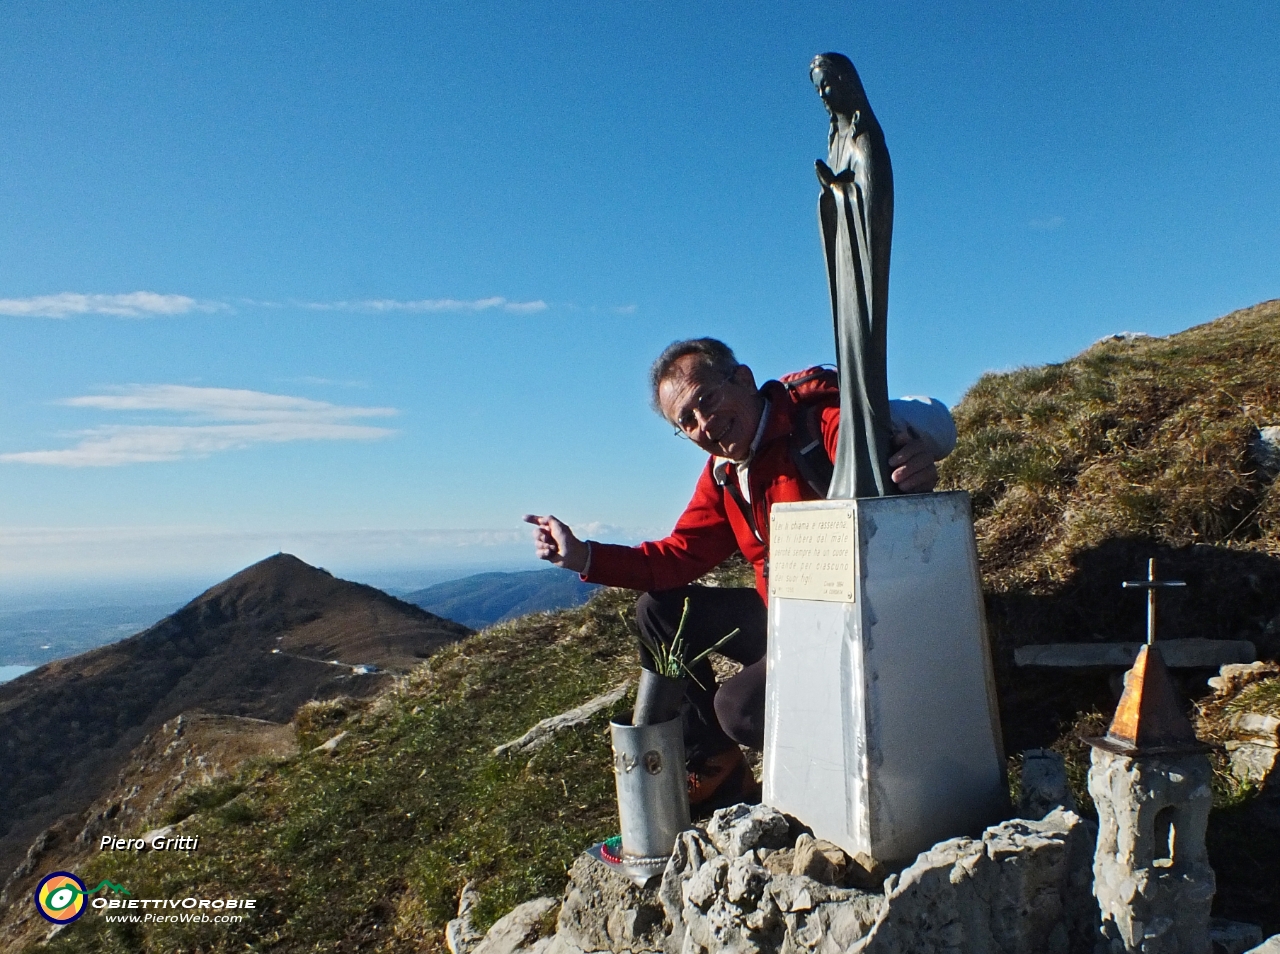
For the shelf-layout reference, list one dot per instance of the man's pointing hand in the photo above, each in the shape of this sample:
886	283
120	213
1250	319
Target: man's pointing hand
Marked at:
554	542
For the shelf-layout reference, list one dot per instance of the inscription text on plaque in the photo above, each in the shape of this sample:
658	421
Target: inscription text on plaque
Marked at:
812	553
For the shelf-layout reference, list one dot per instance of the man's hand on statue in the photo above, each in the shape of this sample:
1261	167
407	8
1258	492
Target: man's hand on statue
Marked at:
913	468
554	542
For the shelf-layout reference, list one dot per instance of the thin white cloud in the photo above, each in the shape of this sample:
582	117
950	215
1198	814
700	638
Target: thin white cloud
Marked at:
427	305
210	420
223	404
611	531
145	304
114	446
139	304
525	307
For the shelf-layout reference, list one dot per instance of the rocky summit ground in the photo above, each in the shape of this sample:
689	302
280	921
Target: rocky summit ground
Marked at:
1079	473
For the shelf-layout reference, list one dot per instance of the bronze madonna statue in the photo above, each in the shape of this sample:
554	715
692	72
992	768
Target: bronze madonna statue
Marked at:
855	212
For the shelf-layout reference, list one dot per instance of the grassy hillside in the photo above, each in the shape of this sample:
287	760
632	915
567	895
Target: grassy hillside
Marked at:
367	848
254	645
1145	439
1079	472
1083	470
172	769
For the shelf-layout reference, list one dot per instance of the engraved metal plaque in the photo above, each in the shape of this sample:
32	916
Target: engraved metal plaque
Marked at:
813	553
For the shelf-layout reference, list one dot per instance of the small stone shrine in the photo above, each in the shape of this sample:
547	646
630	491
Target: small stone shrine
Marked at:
1150	781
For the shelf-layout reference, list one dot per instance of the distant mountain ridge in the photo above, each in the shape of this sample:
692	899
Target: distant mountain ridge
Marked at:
487	598
255	645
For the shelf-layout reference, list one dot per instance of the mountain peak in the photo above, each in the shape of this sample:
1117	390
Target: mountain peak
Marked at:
259	644
281	575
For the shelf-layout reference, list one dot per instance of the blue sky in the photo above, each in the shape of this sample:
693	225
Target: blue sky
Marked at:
366	282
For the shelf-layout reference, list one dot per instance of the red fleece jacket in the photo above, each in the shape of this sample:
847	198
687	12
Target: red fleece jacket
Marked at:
712	526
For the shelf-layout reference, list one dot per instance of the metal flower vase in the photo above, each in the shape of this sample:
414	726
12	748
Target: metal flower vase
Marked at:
658	698
653	795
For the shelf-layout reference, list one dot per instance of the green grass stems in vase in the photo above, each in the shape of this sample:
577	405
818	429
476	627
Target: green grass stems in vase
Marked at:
662	688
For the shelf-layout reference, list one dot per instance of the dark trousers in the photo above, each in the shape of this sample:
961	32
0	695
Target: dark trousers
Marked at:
715	717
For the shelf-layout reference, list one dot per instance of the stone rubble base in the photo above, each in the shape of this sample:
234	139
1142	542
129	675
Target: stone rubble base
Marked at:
753	882
1023	886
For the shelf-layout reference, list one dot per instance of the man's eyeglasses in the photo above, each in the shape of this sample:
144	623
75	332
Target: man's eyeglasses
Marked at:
707	404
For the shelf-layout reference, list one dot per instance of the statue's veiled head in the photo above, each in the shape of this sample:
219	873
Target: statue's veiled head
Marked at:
838	84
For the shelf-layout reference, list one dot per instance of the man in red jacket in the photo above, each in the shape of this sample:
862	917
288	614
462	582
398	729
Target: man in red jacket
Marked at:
700	388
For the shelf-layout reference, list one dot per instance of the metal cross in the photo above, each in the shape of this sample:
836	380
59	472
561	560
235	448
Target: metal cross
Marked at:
1151	584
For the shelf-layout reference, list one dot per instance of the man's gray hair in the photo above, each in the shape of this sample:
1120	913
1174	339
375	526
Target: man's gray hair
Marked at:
711	353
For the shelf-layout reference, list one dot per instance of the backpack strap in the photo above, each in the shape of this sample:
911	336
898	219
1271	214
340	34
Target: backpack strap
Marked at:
811	390
809	452
730	487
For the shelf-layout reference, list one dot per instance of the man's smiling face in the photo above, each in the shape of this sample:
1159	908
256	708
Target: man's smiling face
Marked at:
718	414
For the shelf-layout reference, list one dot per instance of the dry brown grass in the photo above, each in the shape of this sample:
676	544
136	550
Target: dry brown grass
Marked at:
1145	438
1080	471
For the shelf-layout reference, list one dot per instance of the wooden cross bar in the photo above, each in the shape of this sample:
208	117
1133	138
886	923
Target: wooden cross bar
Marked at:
1151	584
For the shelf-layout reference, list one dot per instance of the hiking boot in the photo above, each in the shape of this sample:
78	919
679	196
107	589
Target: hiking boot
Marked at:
720	780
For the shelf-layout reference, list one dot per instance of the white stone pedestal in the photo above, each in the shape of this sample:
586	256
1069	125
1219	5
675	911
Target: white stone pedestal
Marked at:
881	727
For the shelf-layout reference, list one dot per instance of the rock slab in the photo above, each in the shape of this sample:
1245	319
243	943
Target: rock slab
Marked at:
730	902
518	929
1265	448
1021	888
1233	937
1024	886
1044	784
1177	653
604	911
